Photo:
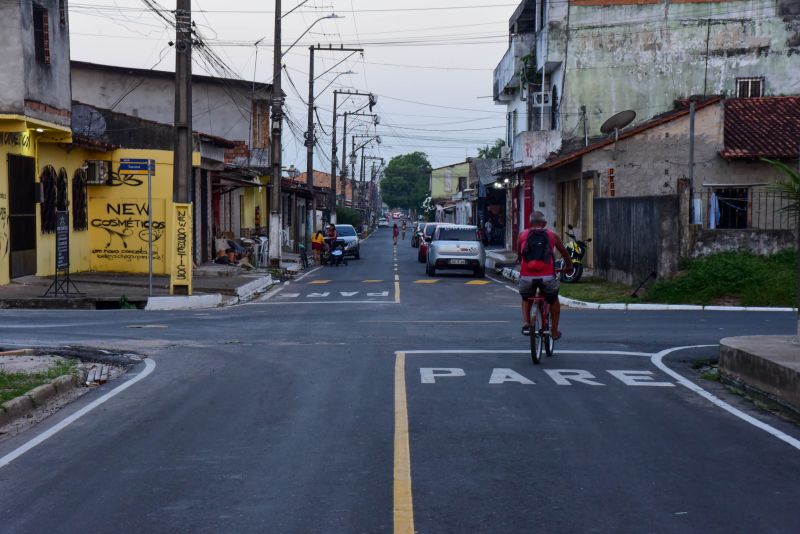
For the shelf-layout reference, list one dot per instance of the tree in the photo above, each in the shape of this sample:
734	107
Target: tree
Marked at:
491	152
790	189
406	179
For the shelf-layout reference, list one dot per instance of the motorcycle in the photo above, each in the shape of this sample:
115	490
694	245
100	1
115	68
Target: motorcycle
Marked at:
577	250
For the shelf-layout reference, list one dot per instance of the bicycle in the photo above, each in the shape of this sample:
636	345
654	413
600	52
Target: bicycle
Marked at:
541	337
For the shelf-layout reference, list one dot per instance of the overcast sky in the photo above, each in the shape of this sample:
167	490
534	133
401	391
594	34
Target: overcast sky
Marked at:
430	61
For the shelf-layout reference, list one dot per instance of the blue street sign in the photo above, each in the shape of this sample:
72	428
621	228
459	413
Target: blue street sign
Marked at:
137	166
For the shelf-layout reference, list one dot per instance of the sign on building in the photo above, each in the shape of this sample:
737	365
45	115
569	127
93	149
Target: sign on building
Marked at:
181	270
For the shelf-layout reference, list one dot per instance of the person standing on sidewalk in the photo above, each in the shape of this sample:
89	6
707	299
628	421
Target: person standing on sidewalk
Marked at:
395	233
487	229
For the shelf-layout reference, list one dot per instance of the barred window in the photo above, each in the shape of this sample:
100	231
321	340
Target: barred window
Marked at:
749	87
41	34
80	213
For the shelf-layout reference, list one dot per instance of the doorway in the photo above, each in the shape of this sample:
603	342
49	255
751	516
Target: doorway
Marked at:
22	215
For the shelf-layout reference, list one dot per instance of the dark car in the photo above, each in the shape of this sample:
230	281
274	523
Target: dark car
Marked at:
416	233
425	239
348	234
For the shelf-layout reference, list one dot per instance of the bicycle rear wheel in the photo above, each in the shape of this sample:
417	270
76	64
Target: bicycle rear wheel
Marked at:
536	334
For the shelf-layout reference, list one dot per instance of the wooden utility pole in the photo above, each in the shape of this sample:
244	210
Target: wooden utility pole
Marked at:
277	116
182	168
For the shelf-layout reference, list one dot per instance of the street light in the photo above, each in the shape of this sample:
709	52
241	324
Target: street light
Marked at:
334	79
331	16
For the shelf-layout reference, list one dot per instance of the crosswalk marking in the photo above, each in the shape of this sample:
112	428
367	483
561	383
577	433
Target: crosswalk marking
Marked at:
289	295
348	293
477	283
319	281
319	295
427	281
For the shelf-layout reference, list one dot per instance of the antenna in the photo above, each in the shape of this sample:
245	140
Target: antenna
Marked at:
615	122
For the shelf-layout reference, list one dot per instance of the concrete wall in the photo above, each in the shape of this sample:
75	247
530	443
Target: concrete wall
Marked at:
45	87
444	180
645	56
219	107
763	242
652	162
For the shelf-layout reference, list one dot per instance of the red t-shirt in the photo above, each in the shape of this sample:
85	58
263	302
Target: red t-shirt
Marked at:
525	269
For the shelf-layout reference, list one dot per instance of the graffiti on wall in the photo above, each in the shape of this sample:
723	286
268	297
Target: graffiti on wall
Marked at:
4	242
121	232
15	139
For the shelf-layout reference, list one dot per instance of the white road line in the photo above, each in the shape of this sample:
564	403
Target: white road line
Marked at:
396	278
315	269
501	282
271	294
150	365
527	351
657	361
278	303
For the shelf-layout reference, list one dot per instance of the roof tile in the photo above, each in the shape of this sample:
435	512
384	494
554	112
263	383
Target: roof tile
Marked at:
766	127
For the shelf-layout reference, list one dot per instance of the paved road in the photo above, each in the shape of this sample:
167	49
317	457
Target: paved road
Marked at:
364	398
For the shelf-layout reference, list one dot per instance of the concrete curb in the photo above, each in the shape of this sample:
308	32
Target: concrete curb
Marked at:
251	290
188	302
21	406
513	275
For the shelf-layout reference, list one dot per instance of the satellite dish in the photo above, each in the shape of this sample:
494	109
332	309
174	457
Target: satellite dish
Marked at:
618	121
87	121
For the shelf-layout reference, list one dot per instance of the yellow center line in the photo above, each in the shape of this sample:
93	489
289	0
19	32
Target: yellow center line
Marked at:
319	281
403	503
371	281
427	281
477	283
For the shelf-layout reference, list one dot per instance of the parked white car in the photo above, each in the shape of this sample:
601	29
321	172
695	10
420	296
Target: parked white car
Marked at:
456	247
383	222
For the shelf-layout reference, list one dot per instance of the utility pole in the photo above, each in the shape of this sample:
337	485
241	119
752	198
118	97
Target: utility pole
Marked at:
310	142
334	159
182	168
277	116
310	139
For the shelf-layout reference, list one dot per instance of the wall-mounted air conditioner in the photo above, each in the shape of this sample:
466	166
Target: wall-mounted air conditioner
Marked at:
541	98
97	172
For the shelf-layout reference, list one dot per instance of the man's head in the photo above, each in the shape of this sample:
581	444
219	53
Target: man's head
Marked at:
538	220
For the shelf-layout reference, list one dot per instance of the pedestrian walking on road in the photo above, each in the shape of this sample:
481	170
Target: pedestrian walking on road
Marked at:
404	229
395	233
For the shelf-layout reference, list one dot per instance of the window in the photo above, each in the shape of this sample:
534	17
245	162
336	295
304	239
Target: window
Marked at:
462	183
540	18
41	34
749	87
728	207
554	110
80	219
457	234
62	13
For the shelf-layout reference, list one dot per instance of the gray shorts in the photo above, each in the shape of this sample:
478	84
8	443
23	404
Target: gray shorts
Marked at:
548	285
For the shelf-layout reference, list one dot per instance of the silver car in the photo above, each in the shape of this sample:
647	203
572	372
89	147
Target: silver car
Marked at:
349	236
456	247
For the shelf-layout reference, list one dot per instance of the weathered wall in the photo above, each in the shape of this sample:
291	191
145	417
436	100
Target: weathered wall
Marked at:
763	242
643	57
532	148
12	82
219	108
444	180
651	162
635	236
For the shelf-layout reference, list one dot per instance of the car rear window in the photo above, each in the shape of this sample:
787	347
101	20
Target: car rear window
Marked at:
345	230
429	228
457	234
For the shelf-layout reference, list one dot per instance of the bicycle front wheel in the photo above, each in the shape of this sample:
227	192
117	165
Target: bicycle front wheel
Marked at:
537	334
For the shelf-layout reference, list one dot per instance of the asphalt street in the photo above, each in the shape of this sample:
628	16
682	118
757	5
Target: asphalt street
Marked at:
370	397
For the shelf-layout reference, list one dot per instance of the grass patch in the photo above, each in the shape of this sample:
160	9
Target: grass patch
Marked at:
732	278
728	278
13	385
597	290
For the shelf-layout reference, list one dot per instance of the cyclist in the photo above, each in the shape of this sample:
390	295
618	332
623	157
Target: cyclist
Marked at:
403	228
537	270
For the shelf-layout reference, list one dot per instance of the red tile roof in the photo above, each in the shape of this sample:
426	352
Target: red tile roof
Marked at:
767	127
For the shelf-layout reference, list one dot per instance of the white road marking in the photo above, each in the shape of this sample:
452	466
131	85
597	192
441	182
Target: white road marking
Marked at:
274	292
381	294
348	293
396	278
562	377
290	295
315	269
657	361
149	366
527	351
428	374
638	378
318	295
317	302
502	375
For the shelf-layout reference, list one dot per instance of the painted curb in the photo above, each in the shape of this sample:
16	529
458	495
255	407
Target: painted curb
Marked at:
21	406
258	285
513	275
190	302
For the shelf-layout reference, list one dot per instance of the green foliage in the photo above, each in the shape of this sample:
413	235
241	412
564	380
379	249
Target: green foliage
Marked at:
406	180
125	304
13	385
791	187
732	278
491	152
346	215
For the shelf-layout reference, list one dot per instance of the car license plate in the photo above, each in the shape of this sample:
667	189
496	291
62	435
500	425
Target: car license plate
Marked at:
458	262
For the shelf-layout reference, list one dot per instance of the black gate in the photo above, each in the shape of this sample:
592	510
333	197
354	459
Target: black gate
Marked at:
22	215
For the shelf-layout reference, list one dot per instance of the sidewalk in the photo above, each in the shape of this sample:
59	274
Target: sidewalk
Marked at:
213	285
